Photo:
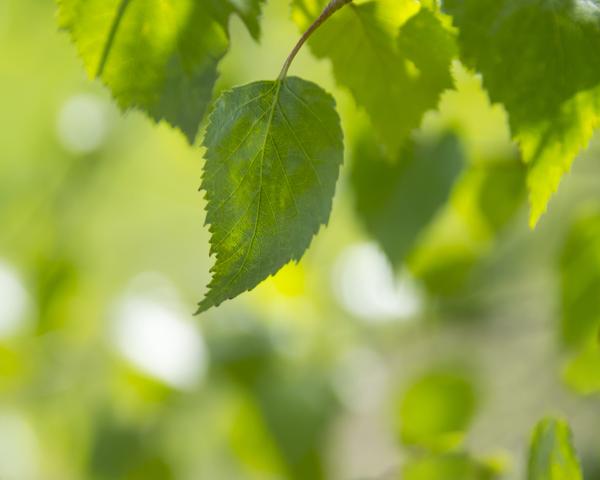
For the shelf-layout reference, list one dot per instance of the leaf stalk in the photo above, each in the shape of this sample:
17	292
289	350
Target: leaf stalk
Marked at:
332	7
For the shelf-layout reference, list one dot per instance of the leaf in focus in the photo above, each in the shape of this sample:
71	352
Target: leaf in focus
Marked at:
160	56
436	410
396	201
396	67
552	455
274	151
580	283
536	58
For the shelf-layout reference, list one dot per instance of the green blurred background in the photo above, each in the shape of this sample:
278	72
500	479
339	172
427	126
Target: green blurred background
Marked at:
337	368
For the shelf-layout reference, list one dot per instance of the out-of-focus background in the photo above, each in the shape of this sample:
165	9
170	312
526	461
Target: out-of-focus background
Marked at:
337	368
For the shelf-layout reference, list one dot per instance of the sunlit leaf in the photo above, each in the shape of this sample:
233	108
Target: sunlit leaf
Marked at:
395	68
580	303
274	150
455	466
580	282
436	410
582	372
536	58
485	199
552	455
396	201
160	56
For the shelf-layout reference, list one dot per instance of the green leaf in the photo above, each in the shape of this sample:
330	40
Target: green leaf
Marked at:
396	201
536	57
455	466
436	410
580	282
552	455
160	56
582	372
274	150
485	199
395	67
580	303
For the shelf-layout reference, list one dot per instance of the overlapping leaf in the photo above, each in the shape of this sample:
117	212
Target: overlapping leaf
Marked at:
396	201
159	55
537	58
394	60
552	455
274	150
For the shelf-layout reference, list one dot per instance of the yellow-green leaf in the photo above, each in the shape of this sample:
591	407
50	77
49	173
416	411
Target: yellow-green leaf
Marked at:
394	58
160	56
552	455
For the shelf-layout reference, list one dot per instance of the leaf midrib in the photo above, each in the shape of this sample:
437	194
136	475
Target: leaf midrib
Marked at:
260	185
111	36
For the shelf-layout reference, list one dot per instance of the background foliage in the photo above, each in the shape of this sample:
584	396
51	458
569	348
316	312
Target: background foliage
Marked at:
431	354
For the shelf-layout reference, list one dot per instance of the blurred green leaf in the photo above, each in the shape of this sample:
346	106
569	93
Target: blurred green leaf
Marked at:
274	151
552	455
454	466
396	71
396	201
244	354
298	409
535	60
436	410
120	452
57	279
580	282
288	410
159	56
251	441
582	372
485	199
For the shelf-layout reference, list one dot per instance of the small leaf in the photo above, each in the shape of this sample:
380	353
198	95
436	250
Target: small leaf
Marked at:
437	409
274	150
160	56
580	282
582	371
552	455
395	61
397	201
449	466
536	58
580	303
